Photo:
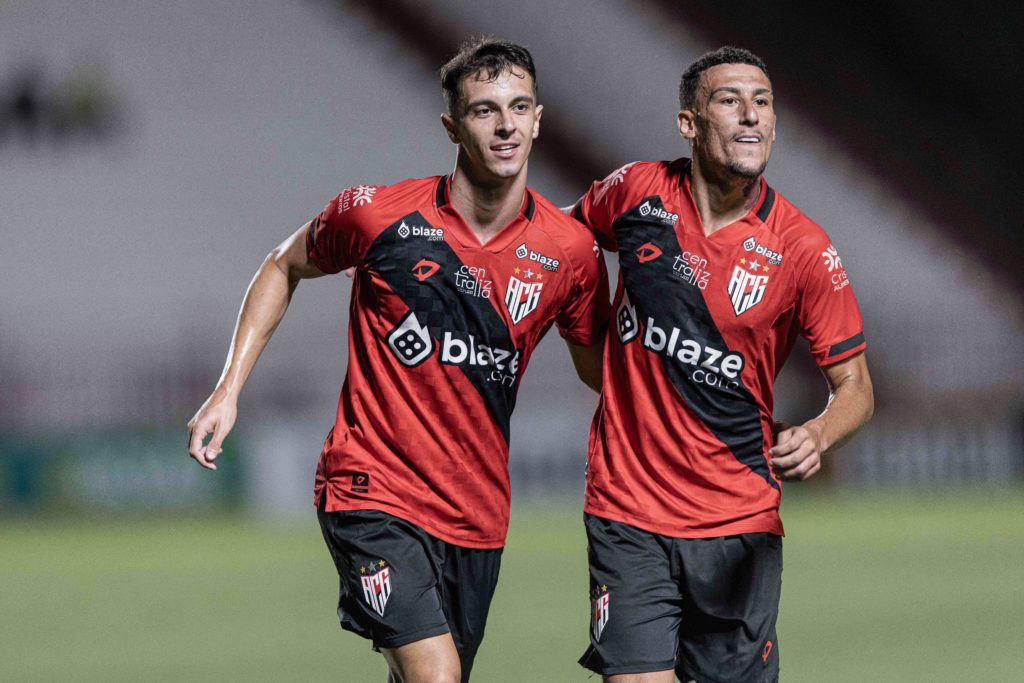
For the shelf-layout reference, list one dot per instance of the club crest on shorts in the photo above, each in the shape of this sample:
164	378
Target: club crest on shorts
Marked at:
376	586
599	611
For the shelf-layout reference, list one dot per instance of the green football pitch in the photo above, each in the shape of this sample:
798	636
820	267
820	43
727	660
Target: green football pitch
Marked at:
882	588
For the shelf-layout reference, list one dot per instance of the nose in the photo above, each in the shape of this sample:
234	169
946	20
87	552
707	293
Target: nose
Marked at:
504	125
748	116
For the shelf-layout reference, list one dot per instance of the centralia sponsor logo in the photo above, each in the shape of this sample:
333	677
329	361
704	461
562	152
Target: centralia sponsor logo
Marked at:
702	362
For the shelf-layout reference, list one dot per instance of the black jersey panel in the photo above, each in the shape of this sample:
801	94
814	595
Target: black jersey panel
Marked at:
464	330
676	325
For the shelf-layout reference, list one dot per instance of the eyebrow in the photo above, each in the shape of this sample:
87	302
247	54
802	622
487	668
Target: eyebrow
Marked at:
492	103
736	91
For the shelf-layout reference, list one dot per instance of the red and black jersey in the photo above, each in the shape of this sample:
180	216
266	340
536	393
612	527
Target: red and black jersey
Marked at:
441	330
703	325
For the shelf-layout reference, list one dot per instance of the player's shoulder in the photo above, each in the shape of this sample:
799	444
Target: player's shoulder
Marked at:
565	233
793	226
639	179
366	201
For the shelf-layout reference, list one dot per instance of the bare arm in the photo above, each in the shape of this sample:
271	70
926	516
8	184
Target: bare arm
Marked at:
798	450
588	361
264	305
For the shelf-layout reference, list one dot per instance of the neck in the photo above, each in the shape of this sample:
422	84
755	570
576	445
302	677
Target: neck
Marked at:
486	204
721	197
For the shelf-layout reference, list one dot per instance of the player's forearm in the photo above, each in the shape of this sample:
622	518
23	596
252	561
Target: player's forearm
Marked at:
263	307
588	361
851	405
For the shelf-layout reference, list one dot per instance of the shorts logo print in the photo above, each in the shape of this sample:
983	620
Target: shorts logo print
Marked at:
377	587
599	612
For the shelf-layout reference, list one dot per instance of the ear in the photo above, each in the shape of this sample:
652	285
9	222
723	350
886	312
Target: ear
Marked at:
688	124
450	127
536	121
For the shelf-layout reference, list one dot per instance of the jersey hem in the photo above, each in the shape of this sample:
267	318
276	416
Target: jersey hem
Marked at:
431	529
759	523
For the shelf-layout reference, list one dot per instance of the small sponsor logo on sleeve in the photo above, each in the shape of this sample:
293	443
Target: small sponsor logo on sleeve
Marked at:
835	267
357	195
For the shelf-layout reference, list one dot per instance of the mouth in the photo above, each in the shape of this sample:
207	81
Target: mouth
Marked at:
505	150
748	139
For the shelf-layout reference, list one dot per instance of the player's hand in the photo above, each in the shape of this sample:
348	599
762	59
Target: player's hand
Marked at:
350	272
217	417
797	451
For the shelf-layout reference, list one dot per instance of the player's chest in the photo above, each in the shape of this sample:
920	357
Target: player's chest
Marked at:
520	283
739	277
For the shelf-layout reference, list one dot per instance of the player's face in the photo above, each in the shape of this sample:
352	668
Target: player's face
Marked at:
496	124
732	124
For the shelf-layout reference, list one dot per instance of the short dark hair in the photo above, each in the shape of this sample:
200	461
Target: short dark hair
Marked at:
490	55
723	55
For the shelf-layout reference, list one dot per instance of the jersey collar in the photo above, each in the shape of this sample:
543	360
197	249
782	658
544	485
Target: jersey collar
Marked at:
461	230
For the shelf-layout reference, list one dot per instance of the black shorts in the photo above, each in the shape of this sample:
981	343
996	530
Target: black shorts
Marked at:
705	607
398	584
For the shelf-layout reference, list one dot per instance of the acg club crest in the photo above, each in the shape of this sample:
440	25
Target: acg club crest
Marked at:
746	289
521	298
377	588
599	612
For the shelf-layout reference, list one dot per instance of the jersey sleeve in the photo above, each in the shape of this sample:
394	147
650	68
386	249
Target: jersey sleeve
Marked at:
335	238
584	317
830	318
597	208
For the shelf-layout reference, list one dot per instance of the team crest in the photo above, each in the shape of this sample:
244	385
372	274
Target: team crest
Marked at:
521	298
599	612
746	289
377	588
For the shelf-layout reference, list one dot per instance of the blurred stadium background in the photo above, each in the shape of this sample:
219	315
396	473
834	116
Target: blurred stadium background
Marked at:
152	153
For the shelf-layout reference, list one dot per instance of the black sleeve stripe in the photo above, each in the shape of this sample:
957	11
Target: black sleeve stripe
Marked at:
530	206
439	192
577	211
766	206
843	346
312	233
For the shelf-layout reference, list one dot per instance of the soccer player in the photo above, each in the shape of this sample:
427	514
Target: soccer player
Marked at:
718	276
457	279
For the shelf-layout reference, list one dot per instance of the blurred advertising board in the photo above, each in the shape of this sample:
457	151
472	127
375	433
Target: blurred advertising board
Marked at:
112	471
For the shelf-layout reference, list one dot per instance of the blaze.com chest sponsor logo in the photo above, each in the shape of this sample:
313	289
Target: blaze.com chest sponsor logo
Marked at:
432	234
411	343
773	257
702	362
835	266
647	209
546	262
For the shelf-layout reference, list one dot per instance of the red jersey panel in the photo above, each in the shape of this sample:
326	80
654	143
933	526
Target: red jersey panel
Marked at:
441	330
703	325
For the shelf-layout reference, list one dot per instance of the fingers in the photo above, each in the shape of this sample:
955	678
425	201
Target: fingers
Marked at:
795	456
198	431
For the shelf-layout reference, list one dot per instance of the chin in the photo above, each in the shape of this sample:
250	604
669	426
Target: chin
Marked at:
749	170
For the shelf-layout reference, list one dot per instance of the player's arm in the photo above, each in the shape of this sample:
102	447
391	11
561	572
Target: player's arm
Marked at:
798	450
588	361
264	305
